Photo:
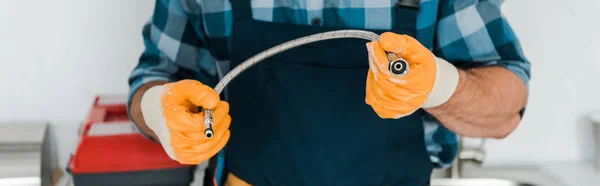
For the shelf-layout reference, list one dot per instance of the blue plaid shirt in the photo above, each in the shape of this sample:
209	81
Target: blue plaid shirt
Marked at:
468	33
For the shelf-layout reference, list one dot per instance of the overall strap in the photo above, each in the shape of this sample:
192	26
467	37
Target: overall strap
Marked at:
406	12
241	10
409	3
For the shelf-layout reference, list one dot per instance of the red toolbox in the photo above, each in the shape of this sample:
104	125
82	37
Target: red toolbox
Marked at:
111	152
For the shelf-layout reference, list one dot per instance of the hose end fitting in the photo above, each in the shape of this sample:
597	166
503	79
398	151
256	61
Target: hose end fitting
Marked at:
208	133
398	67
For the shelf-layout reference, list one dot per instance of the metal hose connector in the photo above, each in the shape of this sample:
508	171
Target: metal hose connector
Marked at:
360	34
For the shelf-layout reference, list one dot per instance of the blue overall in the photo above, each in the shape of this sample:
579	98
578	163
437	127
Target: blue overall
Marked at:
300	117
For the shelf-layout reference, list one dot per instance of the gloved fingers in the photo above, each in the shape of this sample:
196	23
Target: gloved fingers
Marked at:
193	137
389	108
419	78
194	92
379	97
399	92
220	112
199	157
379	63
405	46
221	118
180	119
381	112
397	88
182	142
407	108
181	145
187	135
392	96
420	59
191	107
417	82
198	149
402	110
180	103
376	97
379	59
411	88
223	124
388	102
212	152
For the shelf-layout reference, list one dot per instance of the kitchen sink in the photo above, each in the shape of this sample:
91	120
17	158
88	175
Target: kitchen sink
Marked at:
476	182
506	175
469	169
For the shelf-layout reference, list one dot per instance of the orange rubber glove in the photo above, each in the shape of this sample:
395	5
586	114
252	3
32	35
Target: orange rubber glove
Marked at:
430	81
171	111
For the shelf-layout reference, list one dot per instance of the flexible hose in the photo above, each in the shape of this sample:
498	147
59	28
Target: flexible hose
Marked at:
280	48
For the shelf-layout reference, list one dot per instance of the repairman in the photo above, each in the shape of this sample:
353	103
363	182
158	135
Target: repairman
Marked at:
328	113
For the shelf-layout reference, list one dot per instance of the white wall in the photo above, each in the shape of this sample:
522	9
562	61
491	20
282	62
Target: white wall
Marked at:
56	55
560	38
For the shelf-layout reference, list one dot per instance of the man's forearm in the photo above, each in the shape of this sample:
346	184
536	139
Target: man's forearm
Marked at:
136	110
486	103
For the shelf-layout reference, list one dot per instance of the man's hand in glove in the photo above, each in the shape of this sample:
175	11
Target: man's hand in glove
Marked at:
430	81
171	112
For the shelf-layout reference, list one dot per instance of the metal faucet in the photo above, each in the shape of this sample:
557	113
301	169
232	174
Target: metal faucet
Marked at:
473	155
